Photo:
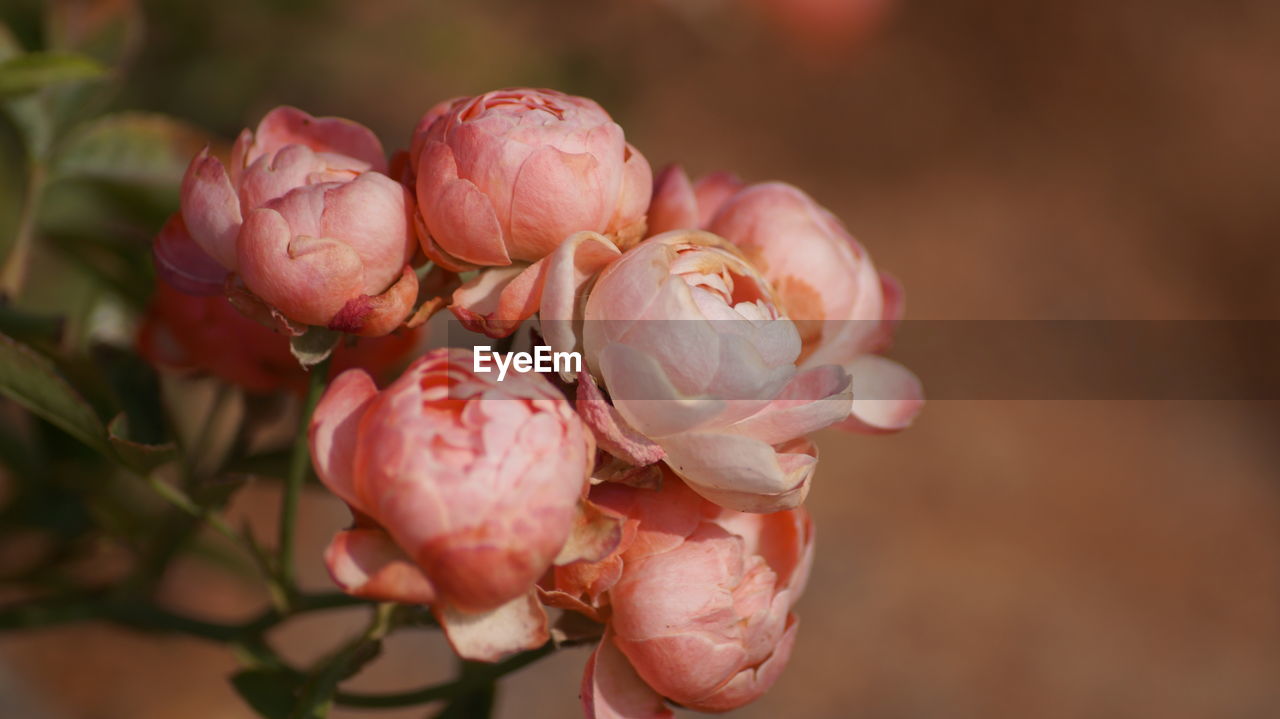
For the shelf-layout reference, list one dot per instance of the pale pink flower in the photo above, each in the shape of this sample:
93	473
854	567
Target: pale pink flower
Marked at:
464	492
824	280
506	176
306	220
828	285
697	357
696	599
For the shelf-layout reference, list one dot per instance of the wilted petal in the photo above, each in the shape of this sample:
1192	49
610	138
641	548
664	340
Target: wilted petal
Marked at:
516	626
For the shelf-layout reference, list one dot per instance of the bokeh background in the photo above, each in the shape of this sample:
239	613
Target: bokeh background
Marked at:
1062	159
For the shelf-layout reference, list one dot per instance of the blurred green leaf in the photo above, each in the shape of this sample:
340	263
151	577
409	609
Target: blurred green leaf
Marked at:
29	327
141	456
34	71
109	31
270	693
31	380
129	147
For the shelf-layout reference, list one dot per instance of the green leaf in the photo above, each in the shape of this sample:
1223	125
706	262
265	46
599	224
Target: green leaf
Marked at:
131	148
34	71
141	456
31	380
270	693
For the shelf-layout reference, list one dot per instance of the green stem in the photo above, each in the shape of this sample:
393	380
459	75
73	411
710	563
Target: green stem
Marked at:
318	690
476	678
145	616
13	276
299	466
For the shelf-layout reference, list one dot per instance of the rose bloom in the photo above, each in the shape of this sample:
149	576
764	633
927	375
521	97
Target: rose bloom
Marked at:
464	491
696	599
306	220
506	176
204	333
688	341
825	281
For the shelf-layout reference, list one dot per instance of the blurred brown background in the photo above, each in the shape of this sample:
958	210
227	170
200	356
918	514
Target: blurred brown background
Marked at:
1007	160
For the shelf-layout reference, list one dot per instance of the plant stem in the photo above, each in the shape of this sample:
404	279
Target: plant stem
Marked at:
318	690
13	275
299	465
475	678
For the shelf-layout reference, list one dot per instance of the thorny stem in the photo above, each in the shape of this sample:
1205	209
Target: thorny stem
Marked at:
299	465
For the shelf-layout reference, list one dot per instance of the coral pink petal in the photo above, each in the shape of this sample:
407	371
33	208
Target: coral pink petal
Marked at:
886	396
291	126
516	626
459	218
373	215
183	264
210	208
635	196
712	192
497	300
674	206
309	279
751	683
366	563
542	214
334	429
611	689
380	314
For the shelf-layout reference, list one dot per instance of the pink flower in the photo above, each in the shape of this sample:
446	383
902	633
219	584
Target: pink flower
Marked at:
689	342
828	285
464	492
506	176
306	220
825	281
698	610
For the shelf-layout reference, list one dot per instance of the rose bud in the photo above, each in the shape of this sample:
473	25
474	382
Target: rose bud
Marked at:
464	491
307	221
827	284
699	611
689	342
506	176
204	333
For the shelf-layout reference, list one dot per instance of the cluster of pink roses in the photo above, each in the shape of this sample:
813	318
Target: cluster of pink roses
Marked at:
658	491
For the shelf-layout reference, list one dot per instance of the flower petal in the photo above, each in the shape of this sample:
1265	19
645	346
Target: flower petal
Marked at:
886	396
611	689
366	563
488	636
183	264
210	208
